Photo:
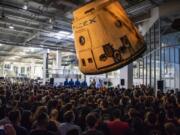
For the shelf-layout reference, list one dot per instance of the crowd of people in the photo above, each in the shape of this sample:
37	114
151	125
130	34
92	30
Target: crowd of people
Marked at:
31	109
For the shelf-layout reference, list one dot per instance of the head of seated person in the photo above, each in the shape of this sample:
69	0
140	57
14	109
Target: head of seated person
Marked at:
39	110
104	104
170	128
69	117
15	117
2	92
150	118
42	120
73	132
91	120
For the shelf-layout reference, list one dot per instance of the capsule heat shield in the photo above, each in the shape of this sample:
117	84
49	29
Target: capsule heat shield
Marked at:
105	38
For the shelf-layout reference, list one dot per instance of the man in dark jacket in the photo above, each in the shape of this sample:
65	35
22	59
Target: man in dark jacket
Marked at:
91	122
42	123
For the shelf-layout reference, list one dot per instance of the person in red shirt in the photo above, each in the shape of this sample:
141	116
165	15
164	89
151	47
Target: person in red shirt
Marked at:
116	126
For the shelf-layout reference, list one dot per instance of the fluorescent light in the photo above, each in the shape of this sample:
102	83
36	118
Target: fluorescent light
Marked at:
25	7
61	35
22	53
0	44
32	49
14	57
64	32
50	20
57	35
70	36
48	51
11	27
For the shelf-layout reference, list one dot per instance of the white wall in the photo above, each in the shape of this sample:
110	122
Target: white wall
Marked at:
126	73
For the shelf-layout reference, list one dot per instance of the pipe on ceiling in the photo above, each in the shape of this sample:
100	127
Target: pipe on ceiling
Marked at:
45	46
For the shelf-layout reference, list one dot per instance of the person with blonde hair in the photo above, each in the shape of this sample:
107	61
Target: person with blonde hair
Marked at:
54	117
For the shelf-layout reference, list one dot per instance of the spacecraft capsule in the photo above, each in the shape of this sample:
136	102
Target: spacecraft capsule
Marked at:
105	38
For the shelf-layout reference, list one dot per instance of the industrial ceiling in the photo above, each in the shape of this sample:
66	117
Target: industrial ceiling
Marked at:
47	24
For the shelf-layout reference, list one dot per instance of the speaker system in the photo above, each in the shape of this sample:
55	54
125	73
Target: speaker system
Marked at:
51	81
122	82
160	85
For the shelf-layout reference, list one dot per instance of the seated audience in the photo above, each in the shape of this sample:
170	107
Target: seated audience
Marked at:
28	108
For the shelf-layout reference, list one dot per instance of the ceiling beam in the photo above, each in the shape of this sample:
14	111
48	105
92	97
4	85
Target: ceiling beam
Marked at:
57	47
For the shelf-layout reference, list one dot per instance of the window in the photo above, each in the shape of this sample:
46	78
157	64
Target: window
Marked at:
83	62
167	54
7	66
90	60
22	70
15	69
177	55
172	54
125	41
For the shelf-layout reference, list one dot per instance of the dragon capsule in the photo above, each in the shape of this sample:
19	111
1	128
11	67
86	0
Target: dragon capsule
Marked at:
105	38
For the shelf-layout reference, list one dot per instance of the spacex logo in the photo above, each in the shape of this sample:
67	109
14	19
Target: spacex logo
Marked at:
85	23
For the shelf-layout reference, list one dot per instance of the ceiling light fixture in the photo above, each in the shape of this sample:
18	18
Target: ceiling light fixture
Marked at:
25	7
61	35
48	51
11	27
32	49
50	20
0	44
64	32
